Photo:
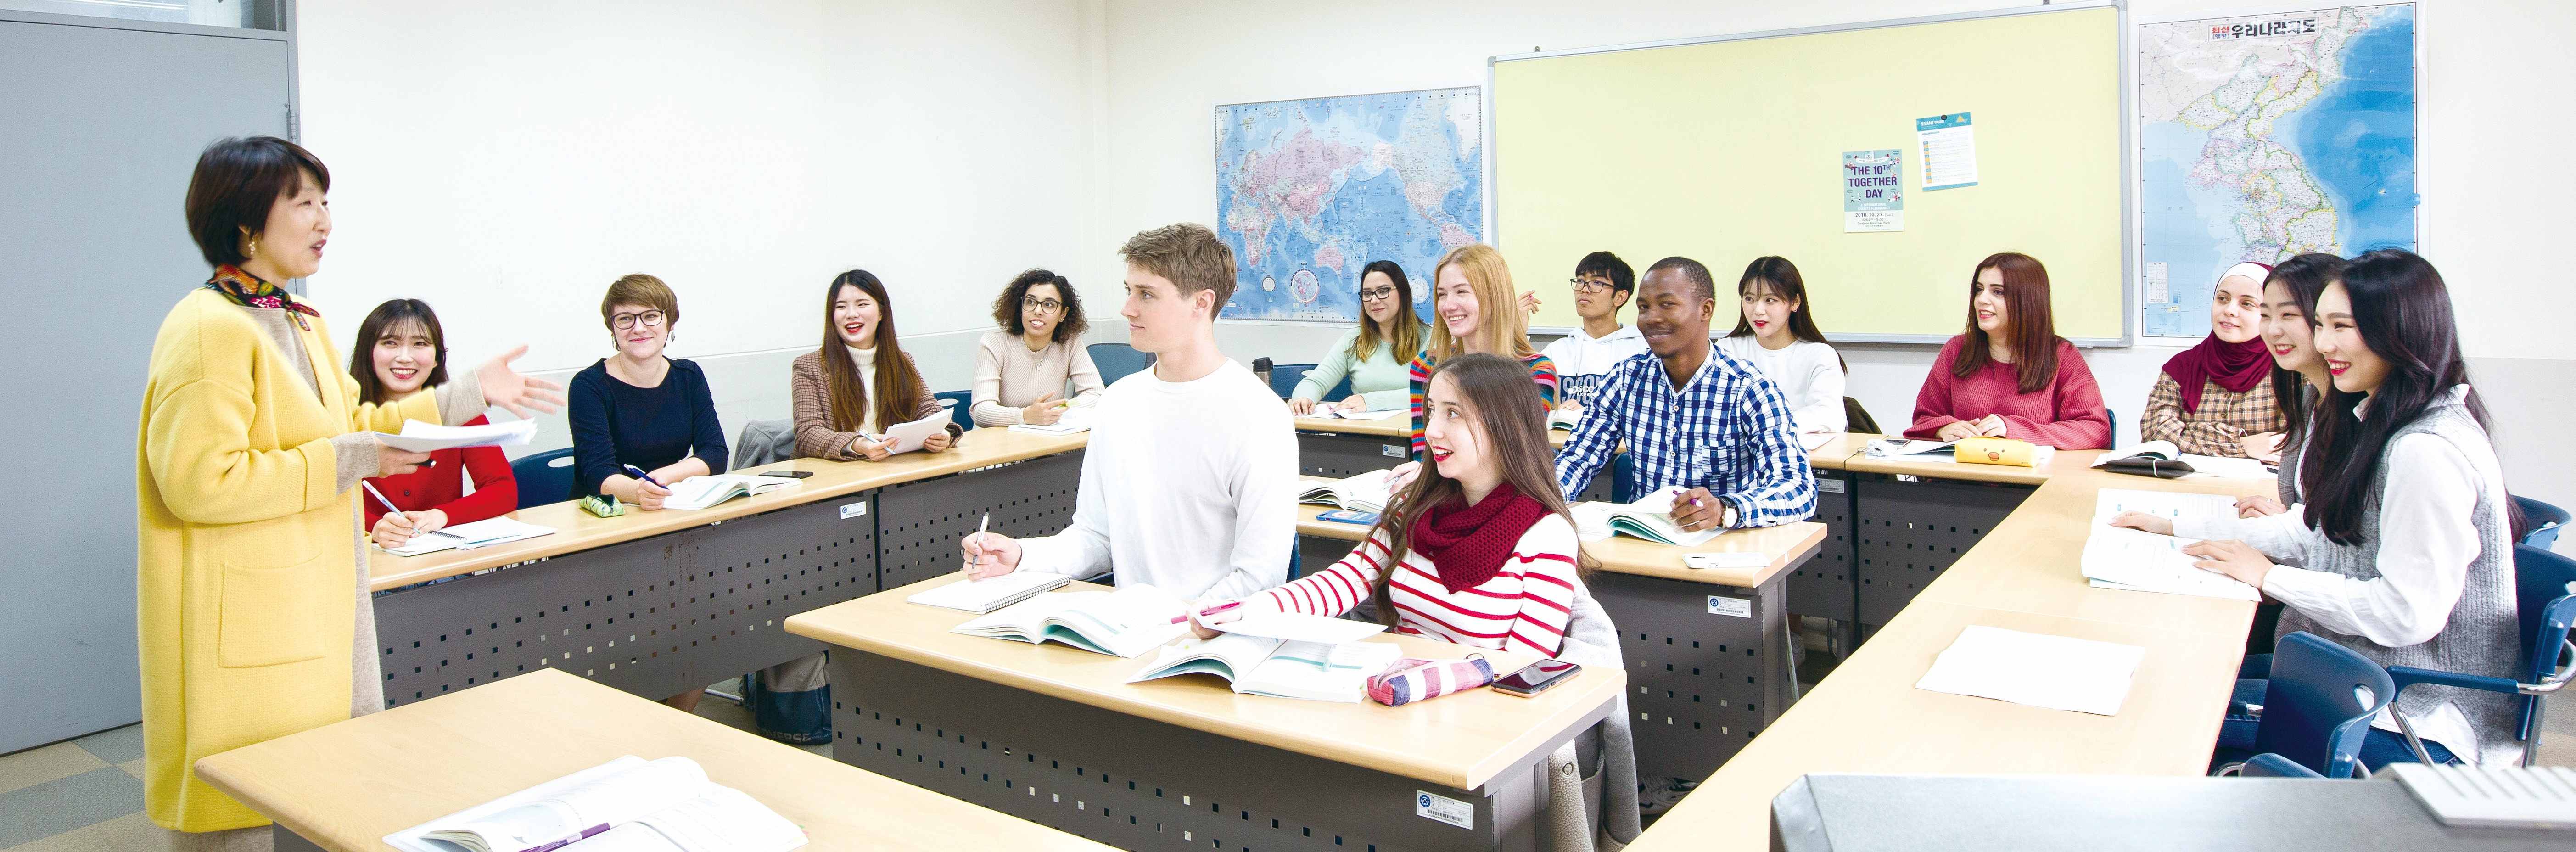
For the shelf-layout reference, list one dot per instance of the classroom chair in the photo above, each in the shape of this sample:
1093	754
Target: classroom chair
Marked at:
2546	520
2317	707
1284	378
543	477
1116	360
960	407
2545	592
2269	765
1857	419
2115	425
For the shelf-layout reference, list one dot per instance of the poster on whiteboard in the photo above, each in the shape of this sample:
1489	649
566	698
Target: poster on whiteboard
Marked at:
1949	146
1873	191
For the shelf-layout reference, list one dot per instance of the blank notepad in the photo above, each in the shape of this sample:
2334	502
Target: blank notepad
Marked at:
2056	672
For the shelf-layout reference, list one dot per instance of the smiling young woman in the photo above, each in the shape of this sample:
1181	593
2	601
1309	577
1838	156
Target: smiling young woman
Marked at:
2009	375
1478	314
1776	333
859	383
2215	398
1373	354
1023	366
401	349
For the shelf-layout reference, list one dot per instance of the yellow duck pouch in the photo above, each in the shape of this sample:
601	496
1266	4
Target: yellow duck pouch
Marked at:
2005	451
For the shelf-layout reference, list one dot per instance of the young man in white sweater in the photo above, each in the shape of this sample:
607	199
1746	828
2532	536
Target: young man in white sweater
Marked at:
1602	285
1192	466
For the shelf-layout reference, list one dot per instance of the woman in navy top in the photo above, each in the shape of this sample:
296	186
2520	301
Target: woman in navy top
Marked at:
639	408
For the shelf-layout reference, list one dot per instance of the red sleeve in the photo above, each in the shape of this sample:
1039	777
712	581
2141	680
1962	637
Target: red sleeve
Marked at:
496	492
2081	422
1933	405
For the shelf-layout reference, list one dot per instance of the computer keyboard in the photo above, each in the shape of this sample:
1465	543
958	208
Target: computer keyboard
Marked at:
2503	797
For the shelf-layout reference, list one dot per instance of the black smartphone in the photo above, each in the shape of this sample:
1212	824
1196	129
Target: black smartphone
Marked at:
789	474
1536	678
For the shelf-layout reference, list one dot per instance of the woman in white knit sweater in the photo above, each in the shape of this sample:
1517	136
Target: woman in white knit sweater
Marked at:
1021	368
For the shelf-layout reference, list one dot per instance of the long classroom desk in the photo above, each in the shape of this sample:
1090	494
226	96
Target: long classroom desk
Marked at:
1056	735
345	786
1867	717
1334	447
1705	647
656	603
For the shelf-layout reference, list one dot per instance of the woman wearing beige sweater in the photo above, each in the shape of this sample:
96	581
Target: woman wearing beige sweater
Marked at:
1021	368
859	383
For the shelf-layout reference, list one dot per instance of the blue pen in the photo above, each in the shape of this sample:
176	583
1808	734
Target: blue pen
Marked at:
639	473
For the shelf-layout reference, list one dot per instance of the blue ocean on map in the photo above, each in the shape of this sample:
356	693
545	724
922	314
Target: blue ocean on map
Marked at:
1310	192
2182	227
2358	137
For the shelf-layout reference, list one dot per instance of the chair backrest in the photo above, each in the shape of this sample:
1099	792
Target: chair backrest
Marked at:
1284	378
1341	390
2545	592
2114	417
1117	360
543	477
2546	521
764	442
960	407
2318	706
1857	419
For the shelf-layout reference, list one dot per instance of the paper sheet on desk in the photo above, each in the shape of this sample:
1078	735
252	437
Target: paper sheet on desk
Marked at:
1941	451
2123	558
1299	627
2035	669
2110	502
1073	420
1388	414
418	437
468	536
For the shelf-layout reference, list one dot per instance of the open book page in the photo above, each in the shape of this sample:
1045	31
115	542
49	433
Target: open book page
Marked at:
1366	492
1316	671
1300	627
467	536
2057	672
980	596
2147	562
1225	656
586	803
699	492
2237	468
1126	622
1649	517
419	437
2110	502
723	820
908	437
1025	620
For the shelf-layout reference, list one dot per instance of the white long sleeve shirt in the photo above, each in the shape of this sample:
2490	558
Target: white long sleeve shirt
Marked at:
1808	373
2426	542
1186	487
1583	361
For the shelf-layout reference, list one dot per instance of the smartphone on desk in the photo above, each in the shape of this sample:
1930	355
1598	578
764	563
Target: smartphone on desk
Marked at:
789	474
1536	678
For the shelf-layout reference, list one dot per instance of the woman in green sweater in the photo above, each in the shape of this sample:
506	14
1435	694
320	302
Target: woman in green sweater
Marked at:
1373	354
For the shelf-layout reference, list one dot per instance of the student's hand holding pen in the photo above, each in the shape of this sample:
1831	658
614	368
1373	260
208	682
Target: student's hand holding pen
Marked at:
1208	614
990	555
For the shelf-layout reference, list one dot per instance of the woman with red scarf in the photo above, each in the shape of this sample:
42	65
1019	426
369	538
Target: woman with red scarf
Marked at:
2215	398
1489	557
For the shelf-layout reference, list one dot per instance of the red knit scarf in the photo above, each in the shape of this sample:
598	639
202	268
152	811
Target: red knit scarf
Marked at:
1467	544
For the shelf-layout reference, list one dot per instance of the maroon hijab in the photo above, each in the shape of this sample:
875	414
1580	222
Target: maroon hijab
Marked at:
2238	367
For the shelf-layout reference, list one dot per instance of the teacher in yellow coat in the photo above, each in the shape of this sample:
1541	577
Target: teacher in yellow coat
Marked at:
251	593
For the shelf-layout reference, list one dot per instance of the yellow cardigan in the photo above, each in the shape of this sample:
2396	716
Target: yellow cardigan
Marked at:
244	602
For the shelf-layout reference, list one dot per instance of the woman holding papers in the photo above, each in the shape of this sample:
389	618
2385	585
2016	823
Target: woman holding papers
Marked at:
2215	398
639	409
1489	557
2407	536
400	350
251	593
1472	290
1777	334
1022	367
1373	354
859	384
2009	375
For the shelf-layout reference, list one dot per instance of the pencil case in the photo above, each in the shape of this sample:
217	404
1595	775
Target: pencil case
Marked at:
2004	451
1409	680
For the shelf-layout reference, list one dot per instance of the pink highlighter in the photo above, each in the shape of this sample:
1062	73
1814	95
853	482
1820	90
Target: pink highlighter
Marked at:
1209	611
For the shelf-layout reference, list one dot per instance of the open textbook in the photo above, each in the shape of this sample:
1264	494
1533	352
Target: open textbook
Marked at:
2123	558
419	437
1364	492
2160	458
1279	668
699	492
1123	623
624	805
983	596
467	536
1649	518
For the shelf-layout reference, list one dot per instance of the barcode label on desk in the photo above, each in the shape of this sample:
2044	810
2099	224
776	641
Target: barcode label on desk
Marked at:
1393	451
1444	809
1738	607
1829	486
854	510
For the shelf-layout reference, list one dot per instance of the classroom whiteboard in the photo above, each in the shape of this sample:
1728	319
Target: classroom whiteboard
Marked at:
1731	148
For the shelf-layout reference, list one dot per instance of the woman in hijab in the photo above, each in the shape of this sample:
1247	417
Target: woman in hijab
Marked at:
2214	399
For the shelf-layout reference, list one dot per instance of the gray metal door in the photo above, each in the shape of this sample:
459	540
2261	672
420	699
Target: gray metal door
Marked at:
100	124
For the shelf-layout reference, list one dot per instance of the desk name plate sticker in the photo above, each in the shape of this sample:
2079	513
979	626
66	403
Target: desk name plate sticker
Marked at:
854	510
1723	605
1438	807
1393	451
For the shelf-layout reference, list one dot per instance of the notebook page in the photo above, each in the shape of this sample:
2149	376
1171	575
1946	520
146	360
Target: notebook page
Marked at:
1027	617
987	595
725	820
2036	669
2145	561
1300	627
1129	621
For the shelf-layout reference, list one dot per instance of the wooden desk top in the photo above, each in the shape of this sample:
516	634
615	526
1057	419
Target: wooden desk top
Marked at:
576	530
2064	461
1459	740
1788	544
347	785
1836	454
2029	563
1868	717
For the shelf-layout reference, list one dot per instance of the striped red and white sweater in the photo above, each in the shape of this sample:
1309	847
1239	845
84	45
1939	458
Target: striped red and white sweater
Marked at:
1524	607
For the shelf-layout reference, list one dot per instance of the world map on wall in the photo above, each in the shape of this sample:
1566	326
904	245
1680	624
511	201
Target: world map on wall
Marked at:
2267	136
1309	192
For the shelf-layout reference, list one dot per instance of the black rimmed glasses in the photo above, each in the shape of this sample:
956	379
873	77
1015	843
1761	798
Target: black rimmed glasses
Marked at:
1588	285
650	319
1044	306
1377	294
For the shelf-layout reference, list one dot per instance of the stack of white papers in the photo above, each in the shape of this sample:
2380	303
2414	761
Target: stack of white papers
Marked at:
2056	672
418	437
482	533
2134	560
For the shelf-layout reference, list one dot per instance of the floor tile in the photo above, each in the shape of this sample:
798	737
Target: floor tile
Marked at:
133	767
39	765
130	832
63	804
117	745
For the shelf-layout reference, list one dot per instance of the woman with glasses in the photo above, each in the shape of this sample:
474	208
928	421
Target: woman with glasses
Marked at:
1022	367
640	409
1372	354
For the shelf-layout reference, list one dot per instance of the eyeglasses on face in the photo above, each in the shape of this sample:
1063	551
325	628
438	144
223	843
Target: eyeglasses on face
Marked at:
1588	285
623	322
1030	303
1374	294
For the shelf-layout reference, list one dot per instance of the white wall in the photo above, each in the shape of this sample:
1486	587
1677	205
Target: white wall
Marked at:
1170	61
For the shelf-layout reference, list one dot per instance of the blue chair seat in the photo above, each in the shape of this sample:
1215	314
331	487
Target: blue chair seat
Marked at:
960	407
2545	595
2317	705
543	477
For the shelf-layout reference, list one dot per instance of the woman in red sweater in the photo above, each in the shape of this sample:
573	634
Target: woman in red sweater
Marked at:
400	350
2010	375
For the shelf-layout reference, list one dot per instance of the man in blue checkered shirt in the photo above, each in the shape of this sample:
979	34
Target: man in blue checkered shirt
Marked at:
1693	418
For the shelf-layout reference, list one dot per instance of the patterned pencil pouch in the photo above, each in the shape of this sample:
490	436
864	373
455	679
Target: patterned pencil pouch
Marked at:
1410	680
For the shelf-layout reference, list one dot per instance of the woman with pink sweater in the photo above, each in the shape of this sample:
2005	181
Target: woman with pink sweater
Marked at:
2010	375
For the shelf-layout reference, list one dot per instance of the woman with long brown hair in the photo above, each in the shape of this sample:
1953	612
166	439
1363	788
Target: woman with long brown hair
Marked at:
2009	375
1489	554
859	383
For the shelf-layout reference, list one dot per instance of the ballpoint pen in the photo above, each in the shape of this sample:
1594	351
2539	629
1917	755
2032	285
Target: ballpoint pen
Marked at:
979	538
380	498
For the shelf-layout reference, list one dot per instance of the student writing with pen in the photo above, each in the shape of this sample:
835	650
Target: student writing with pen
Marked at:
640	408
401	350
